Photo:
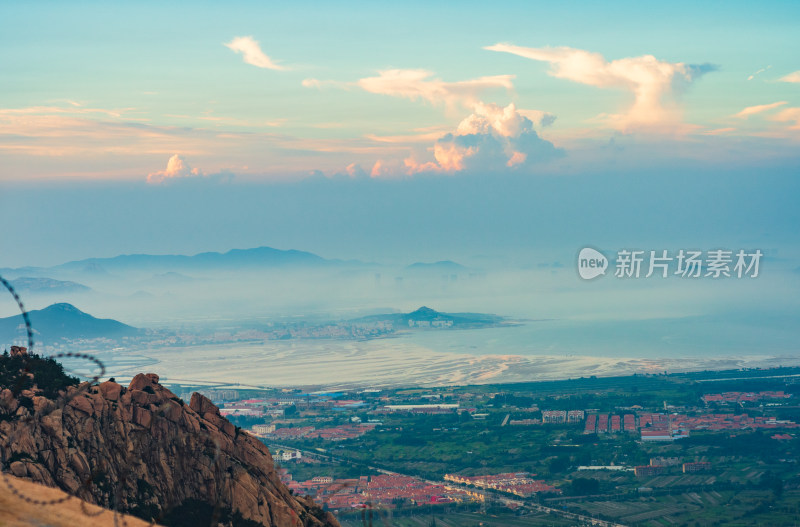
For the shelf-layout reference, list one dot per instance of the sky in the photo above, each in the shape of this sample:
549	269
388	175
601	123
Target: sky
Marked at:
413	130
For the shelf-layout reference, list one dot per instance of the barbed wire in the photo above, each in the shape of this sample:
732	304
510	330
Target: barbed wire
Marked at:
28	421
18	388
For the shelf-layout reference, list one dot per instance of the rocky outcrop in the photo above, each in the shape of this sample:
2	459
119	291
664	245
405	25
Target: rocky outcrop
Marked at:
142	450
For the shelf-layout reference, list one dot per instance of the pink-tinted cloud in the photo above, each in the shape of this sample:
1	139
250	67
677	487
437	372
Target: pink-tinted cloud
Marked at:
788	115
321	84
719	131
177	167
492	138
753	110
792	77
653	83
420	85
251	53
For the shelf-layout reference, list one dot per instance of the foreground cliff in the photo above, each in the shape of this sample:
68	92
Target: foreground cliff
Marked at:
142	450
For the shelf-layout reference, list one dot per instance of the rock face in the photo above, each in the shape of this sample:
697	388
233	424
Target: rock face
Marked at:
142	450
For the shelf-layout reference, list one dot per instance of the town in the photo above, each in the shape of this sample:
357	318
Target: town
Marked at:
634	450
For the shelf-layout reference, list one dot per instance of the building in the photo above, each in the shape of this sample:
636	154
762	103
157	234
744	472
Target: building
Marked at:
518	483
664	435
525	422
615	423
554	416
288	455
219	395
700	466
420	408
262	430
602	423
665	461
648	470
575	416
591	424
629	423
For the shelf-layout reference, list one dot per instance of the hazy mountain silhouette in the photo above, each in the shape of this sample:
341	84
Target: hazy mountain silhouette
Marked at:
27	284
426	314
63	321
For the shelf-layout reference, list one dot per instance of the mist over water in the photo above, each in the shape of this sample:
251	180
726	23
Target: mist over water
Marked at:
563	326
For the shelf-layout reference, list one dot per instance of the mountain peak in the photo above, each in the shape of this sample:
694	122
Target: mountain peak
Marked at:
424	311
64	307
65	321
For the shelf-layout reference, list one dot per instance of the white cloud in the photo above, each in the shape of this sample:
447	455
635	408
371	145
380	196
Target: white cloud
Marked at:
492	138
251	53
757	73
653	83
320	84
419	85
792	77
753	110
178	169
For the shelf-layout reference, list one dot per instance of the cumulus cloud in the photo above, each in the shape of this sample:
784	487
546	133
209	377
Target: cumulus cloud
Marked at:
383	168
753	110
420	85
492	138
653	83
251	53
792	77
179	169
355	171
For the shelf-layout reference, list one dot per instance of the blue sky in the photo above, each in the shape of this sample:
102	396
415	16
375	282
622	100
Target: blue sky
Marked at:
125	101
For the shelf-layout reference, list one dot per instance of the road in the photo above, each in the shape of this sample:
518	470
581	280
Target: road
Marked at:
505	500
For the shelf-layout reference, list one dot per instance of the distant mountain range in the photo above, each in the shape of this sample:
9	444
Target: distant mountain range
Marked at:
63	321
238	258
426	317
233	259
27	284
448	266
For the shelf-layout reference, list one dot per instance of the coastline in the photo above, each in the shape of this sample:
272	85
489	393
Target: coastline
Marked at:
392	363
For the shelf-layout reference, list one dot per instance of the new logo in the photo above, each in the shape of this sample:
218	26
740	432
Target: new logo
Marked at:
591	263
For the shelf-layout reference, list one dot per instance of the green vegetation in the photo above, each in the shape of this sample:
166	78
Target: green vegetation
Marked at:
754	477
23	372
466	515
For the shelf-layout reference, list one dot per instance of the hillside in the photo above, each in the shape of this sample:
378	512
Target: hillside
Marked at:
142	448
64	321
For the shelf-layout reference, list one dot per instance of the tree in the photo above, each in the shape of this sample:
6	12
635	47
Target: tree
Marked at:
584	486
